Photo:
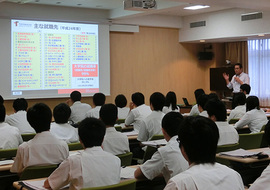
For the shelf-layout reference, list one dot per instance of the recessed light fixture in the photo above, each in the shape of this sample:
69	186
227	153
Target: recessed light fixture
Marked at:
261	35
196	7
202	41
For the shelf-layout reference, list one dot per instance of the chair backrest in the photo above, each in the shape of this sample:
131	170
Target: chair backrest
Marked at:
33	172
250	141
151	150
125	158
233	121
224	148
118	128
119	121
8	153
123	185
263	127
27	137
75	146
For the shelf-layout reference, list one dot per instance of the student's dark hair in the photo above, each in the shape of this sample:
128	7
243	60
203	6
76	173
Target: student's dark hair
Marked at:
120	101
20	104
39	117
252	102
91	132
61	113
75	96
213	96
198	92
239	64
240	98
199	137
217	108
202	100
171	123
170	99
1	100
2	113
99	99
137	98
246	88
108	114
267	132
157	100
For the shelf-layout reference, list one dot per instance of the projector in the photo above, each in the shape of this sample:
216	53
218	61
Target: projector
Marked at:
140	5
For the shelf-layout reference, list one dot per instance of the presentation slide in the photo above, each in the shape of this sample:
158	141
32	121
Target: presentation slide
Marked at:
45	59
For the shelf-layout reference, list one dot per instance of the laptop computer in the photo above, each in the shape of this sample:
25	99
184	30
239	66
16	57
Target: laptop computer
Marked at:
186	102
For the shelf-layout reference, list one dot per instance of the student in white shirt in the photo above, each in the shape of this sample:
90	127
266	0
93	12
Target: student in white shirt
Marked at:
194	110
78	109
201	103
98	100
167	160
44	148
121	103
10	136
255	117
18	119
198	143
217	113
240	109
263	182
61	129
170	103
92	167
114	141
138	111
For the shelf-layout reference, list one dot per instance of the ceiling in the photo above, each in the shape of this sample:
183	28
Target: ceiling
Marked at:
164	7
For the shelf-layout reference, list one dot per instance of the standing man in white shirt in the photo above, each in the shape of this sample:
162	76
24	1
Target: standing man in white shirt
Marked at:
78	109
18	119
138	111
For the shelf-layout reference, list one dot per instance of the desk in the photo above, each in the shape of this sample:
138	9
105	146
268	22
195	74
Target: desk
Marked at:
249	168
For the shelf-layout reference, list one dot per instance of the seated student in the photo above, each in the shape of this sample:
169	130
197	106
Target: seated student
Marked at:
245	88
18	119
93	167
263	181
170	103
98	100
60	128
240	109
138	111
167	160
194	110
201	103
114	141
217	113
255	118
10	136
44	148
1	100
121	103
78	109
198	143
151	125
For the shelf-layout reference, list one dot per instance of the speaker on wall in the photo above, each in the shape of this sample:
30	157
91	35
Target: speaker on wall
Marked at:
205	55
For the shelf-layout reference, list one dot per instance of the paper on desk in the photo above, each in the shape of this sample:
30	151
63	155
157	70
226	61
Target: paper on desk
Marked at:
131	133
38	184
239	153
127	172
6	162
186	114
155	143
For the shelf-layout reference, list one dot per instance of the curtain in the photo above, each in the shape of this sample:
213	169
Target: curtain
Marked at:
259	67
237	52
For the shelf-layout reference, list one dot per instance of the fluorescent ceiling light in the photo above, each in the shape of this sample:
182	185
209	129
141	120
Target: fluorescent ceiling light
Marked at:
196	7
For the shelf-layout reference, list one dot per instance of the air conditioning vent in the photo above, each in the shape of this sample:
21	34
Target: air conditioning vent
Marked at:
140	5
197	24
251	16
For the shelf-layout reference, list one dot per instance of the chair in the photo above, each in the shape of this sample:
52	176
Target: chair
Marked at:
8	153
119	121
33	172
224	148
75	146
123	185
125	158
27	137
118	128
233	121
264	139
250	141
